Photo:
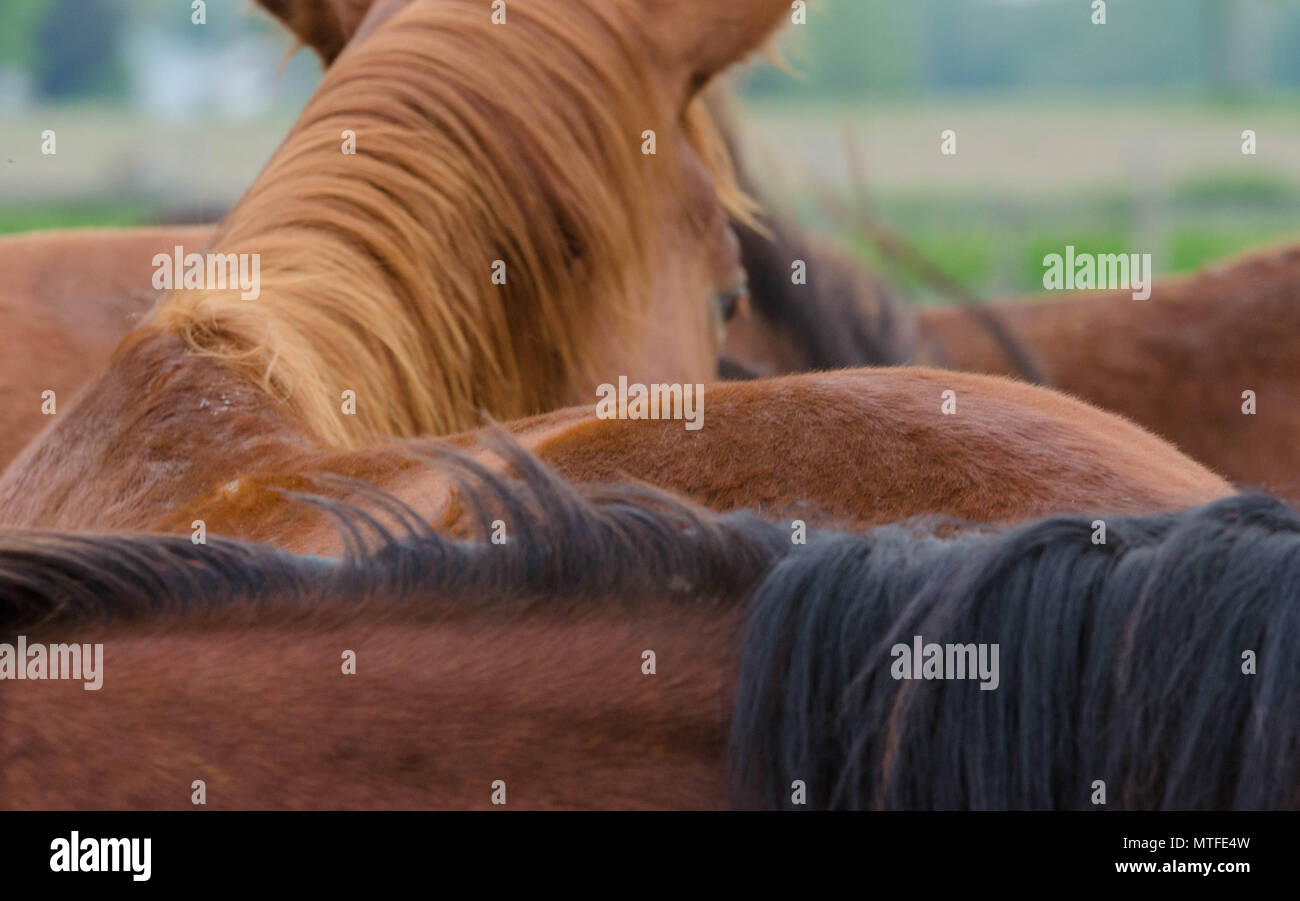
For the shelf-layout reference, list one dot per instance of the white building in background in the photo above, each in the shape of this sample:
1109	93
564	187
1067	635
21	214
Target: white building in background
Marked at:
238	82
15	89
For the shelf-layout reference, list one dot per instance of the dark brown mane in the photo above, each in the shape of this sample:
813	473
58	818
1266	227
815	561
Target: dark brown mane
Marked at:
845	316
1120	661
829	319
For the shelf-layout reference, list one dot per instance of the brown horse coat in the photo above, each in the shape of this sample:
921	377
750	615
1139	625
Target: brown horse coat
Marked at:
66	300
206	443
1177	363
589	659
860	447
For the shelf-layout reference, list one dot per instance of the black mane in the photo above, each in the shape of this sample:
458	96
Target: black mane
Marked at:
1119	662
827	319
597	541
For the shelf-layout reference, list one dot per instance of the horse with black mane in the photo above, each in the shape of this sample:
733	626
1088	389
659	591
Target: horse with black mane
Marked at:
625	649
479	662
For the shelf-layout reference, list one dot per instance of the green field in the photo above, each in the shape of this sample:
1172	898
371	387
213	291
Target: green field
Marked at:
73	214
996	248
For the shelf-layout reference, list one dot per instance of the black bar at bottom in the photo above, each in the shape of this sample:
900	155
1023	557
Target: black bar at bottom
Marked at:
334	850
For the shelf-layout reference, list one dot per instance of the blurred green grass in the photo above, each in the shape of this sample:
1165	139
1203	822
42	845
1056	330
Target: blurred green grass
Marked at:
80	214
995	247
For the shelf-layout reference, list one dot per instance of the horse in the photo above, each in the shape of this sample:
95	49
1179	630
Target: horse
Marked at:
488	268
381	268
1207	362
535	247
622	648
216	407
855	448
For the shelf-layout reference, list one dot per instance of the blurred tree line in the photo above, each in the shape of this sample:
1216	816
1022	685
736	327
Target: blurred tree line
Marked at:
887	47
77	48
73	49
69	48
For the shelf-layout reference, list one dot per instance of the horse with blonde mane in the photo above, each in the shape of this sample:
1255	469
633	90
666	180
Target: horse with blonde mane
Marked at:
452	264
489	248
218	406
456	259
94	282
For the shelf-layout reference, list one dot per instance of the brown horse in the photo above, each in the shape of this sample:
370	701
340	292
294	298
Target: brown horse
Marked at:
1211	361
856	447
496	310
1179	363
843	317
219	405
490	247
624	650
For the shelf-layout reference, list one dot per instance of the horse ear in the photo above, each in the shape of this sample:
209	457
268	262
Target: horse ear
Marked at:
700	39
697	39
325	26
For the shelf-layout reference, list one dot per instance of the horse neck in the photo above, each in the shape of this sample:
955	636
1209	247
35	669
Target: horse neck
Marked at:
445	263
554	704
342	333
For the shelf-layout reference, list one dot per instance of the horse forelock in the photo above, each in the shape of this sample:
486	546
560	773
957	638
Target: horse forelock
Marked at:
377	268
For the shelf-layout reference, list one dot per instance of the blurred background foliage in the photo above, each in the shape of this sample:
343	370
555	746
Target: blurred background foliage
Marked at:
1117	137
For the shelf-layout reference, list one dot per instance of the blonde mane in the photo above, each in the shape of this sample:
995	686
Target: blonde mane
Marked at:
474	143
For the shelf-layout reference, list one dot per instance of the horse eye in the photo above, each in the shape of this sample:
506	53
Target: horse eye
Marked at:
729	303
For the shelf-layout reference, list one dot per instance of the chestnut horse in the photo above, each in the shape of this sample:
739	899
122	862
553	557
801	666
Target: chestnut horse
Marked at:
623	649
510	269
217	406
1178	363
857	448
843	317
454	265
1098	348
